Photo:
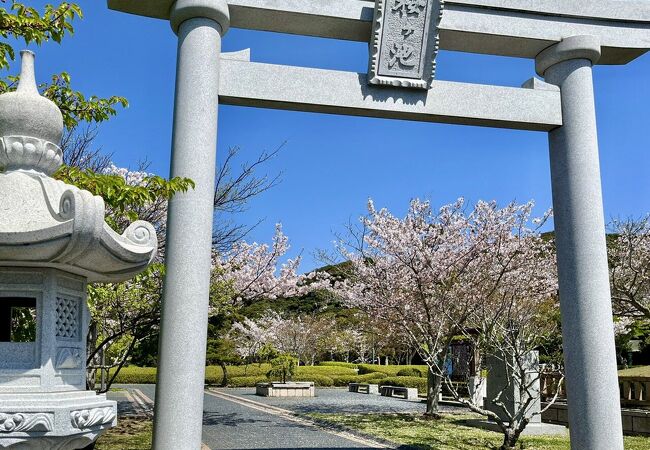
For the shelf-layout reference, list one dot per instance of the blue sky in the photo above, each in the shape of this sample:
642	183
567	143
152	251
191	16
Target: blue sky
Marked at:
331	165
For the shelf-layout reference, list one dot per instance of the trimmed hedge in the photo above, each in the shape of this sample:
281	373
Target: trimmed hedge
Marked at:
239	382
339	364
319	380
242	376
391	371
136	375
371	378
410	372
411	382
325	370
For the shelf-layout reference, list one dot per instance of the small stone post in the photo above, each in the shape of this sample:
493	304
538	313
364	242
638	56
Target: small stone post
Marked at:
588	334
199	25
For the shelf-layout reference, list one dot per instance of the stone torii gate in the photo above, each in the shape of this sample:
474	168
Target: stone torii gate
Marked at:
565	37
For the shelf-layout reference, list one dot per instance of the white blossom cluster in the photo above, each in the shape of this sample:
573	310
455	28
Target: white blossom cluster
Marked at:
132	178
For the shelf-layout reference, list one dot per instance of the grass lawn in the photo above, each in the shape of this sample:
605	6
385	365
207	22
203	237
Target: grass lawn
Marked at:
129	434
641	371
448	433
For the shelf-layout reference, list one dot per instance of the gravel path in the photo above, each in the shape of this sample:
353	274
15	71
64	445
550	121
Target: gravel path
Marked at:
338	401
230	423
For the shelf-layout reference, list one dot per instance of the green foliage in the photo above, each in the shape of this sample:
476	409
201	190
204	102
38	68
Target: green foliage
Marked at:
409	382
23	324
339	364
240	382
221	350
136	375
251	370
391	370
326	370
319	380
410	372
130	433
640	371
370	378
123	199
25	22
21	21
282	367
448	433
75	106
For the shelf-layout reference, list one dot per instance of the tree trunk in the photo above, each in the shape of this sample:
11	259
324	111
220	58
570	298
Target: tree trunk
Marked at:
224	379
510	438
434	383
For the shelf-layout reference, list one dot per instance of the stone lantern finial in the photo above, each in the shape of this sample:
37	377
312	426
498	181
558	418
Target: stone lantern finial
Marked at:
30	126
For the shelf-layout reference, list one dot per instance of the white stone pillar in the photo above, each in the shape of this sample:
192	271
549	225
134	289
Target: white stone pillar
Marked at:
199	25
587	328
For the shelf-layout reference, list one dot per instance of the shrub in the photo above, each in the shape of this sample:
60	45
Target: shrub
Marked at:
283	368
213	374
246	381
136	375
371	378
326	370
411	382
391	371
339	364
319	380
409	372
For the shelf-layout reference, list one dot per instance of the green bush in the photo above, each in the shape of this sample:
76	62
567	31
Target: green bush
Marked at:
410	372
319	380
240	376
411	382
213	374
339	364
136	375
251	381
326	370
391	371
370	378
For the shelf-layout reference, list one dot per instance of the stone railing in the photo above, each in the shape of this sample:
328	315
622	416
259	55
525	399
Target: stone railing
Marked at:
634	391
548	386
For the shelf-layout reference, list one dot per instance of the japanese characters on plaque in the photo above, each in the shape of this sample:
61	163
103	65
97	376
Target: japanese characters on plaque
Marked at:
404	42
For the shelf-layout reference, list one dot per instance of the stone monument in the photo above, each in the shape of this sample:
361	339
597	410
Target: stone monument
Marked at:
53	241
504	384
566	38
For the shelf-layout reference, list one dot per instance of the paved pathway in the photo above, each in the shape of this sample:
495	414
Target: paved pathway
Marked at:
237	419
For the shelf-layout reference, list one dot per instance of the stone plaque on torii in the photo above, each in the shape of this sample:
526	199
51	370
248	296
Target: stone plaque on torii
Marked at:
565	37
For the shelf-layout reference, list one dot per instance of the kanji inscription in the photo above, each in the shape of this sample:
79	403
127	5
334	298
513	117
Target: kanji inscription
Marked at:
404	42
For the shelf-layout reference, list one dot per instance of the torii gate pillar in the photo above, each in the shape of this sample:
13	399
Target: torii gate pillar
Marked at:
585	299
178	423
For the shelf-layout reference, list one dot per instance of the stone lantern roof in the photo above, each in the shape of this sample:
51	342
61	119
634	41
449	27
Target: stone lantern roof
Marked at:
48	223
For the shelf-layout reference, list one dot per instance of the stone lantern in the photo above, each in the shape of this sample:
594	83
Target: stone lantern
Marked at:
53	241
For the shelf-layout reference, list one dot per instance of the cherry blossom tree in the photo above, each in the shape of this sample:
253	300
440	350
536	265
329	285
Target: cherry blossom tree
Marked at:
254	272
250	336
437	274
629	261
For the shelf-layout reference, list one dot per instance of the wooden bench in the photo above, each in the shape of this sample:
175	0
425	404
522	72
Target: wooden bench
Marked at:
399	391
362	388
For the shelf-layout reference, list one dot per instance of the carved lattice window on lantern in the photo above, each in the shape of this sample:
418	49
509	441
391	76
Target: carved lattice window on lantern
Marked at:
67	318
17	319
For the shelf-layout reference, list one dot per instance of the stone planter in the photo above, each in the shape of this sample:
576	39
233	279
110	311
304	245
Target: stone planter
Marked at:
291	389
